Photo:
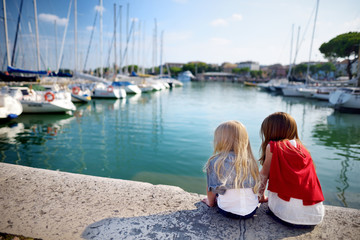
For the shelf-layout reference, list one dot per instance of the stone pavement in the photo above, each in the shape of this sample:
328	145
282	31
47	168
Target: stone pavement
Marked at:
56	205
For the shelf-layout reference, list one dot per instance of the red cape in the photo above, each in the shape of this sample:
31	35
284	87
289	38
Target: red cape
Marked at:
292	173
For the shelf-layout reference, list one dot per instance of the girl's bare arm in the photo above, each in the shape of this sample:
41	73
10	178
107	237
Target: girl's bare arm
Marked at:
264	174
211	198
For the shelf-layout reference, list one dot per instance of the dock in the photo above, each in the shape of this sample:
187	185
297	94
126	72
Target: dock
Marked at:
53	205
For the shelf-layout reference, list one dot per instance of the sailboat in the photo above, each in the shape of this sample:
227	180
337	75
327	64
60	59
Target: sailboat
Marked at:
10	107
299	88
346	98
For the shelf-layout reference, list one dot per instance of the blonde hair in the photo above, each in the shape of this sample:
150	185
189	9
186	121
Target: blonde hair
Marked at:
229	137
278	126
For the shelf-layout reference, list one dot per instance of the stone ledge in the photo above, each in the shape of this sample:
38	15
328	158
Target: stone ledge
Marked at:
48	204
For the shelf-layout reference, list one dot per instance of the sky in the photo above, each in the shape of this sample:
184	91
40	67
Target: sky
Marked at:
210	31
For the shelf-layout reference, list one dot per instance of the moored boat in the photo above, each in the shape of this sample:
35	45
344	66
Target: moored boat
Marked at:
108	91
10	107
43	101
78	94
346	98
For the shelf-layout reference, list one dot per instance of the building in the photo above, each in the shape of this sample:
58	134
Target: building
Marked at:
341	68
178	65
253	66
218	77
276	71
228	67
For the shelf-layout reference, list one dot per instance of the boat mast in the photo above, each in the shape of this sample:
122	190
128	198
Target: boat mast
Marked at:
358	69
120	39
56	55
64	36
161	53
133	47
6	33
127	37
297	46
115	56
312	39
139	43
37	37
75	34
143	53
101	39
291	48
154	47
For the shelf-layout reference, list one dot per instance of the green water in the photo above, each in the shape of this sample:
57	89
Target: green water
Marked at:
166	137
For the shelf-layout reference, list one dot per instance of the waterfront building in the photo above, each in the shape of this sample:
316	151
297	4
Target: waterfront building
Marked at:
218	77
178	65
228	67
253	66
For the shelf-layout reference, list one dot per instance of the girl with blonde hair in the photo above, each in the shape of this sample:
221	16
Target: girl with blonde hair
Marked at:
294	192
232	172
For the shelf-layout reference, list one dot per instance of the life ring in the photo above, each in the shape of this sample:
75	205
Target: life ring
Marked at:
49	96
75	90
110	89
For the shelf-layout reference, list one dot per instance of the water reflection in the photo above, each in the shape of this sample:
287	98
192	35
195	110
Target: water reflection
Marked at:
39	127
341	132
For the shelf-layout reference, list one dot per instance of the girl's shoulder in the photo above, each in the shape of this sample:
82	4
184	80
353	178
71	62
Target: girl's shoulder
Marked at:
222	156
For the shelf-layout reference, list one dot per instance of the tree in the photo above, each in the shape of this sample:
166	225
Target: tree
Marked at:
300	69
241	71
343	46
255	73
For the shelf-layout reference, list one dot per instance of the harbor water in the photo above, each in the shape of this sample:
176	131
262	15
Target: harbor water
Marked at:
165	137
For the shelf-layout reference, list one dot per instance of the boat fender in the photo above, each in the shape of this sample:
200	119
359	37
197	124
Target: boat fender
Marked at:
110	89
75	90
49	96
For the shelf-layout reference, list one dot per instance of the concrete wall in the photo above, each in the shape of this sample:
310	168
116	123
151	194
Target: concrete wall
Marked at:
56	205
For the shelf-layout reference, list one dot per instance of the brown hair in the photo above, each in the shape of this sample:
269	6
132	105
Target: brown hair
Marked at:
277	127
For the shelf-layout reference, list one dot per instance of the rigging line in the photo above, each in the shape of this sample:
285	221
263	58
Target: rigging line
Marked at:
128	39
16	35
284	46
303	37
91	37
63	40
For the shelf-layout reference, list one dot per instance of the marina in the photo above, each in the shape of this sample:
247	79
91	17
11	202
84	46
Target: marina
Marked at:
165	137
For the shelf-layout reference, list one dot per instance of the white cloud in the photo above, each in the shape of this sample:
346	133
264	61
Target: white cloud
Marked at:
353	25
219	22
90	28
99	8
236	17
51	19
220	41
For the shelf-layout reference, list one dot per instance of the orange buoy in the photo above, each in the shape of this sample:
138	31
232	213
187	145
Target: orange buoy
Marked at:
110	89
75	90
49	96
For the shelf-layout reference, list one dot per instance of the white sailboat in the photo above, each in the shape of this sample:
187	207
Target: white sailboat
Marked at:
80	94
43	101
10	107
102	90
346	98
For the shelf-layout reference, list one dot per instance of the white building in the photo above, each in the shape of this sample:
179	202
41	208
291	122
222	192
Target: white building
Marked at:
253	66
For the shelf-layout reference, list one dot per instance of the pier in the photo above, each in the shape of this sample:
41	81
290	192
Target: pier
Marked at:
49	204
